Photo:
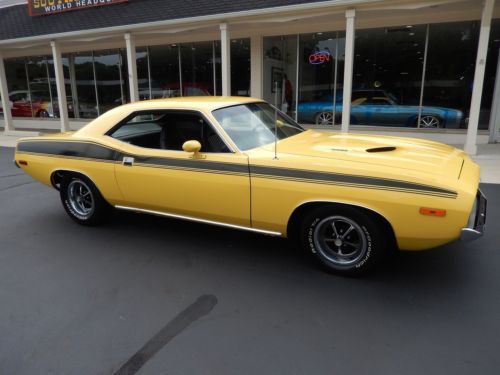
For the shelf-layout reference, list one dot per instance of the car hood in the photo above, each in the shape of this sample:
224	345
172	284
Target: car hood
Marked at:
407	154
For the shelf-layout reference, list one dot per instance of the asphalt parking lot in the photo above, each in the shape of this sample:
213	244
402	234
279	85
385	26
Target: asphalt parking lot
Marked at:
184	298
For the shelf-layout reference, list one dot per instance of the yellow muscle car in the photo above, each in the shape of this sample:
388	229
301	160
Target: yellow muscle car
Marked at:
238	162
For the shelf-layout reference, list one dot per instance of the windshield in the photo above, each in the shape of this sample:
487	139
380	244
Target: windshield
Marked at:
253	124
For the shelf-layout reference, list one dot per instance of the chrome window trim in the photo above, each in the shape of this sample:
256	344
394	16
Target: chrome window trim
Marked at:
203	115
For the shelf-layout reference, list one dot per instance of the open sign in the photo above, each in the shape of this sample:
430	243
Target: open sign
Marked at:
320	57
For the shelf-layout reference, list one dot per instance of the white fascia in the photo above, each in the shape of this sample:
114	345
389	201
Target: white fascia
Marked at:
207	18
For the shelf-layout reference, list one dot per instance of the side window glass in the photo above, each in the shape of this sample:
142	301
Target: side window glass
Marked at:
168	130
141	130
183	127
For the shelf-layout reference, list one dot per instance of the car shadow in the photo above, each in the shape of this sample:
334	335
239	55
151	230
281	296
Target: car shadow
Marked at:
443	265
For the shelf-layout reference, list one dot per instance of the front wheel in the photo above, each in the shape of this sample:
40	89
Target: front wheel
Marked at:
324	118
82	200
430	122
346	240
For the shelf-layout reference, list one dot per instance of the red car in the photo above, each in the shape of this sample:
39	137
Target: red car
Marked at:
24	105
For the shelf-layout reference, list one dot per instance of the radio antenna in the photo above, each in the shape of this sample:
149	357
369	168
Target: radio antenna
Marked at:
275	120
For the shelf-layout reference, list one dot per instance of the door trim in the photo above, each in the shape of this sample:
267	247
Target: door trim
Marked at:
197	220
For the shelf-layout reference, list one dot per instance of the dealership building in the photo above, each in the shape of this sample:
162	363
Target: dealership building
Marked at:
424	68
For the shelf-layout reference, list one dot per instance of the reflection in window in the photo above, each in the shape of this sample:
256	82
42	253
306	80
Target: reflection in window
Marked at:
164	72
84	84
40	87
321	59
240	67
280	70
197	69
490	75
31	92
110	82
448	81
143	79
388	63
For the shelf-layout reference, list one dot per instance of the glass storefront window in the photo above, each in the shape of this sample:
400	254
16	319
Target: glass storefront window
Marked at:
40	88
52	80
449	72
191	69
321	59
84	88
197	69
240	67
490	75
388	67
280	72
31	92
143	81
109	78
218	68
164	72
17	84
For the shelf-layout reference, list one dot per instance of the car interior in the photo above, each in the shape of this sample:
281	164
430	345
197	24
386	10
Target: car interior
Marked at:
168	131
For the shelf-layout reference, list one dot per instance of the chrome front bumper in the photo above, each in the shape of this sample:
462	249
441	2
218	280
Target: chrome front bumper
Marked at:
477	219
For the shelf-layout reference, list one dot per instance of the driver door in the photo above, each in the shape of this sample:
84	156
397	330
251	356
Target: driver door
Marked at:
156	174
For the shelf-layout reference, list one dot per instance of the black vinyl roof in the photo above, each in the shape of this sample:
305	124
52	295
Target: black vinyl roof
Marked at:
15	21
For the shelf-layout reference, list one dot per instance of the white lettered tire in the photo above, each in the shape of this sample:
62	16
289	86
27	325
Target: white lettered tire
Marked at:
82	200
347	240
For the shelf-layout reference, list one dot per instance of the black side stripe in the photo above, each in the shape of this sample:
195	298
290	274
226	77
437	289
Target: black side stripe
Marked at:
64	148
94	151
193	164
344	178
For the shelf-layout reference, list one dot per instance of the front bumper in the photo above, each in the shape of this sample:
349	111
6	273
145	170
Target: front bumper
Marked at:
477	220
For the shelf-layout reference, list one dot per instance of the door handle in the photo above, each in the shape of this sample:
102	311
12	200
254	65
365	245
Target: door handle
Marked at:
128	161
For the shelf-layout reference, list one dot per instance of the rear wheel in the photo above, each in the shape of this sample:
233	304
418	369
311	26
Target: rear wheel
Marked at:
82	200
346	240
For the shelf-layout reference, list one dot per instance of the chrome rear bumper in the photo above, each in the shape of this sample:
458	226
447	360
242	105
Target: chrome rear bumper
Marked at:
477	219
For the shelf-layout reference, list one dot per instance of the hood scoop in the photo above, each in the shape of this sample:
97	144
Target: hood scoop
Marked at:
381	149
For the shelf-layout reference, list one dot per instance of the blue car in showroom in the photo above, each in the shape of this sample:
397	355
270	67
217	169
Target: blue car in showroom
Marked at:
377	107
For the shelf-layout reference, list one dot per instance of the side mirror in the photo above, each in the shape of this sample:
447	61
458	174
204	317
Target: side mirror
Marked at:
192	146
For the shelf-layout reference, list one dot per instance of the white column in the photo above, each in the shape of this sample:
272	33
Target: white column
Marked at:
4	92
61	88
477	89
256	61
132	68
350	14
225	45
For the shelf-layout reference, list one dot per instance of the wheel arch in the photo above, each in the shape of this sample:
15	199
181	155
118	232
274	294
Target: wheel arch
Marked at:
301	210
58	174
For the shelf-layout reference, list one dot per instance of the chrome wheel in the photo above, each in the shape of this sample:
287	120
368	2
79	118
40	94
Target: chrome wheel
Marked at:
340	240
324	118
429	122
81	199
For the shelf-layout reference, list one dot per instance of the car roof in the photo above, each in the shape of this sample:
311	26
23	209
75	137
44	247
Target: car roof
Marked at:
198	103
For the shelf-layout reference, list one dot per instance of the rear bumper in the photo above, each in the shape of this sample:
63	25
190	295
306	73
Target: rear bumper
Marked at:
477	219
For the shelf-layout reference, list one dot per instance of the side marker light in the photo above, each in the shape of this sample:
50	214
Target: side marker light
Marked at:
432	211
